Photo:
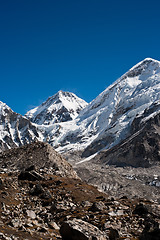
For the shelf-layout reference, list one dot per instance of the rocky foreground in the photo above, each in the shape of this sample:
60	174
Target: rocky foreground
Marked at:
43	200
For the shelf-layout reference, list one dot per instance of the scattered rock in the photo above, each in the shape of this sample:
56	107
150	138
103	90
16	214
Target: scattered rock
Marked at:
30	176
86	204
15	223
42	229
34	209
32	167
116	213
37	155
53	208
46	195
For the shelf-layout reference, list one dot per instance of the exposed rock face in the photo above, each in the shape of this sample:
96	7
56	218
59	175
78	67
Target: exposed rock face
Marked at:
39	155
78	229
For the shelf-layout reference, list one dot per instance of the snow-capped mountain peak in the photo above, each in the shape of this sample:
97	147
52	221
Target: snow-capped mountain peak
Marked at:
4	108
140	76
148	66
69	123
61	107
15	130
107	119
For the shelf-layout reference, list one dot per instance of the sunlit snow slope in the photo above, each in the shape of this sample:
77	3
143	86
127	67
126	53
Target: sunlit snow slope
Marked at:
107	119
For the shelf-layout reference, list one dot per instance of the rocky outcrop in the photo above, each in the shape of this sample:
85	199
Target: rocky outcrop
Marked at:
64	208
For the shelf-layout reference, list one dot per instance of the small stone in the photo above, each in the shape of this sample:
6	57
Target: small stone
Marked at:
46	195
31	214
15	223
124	197
86	204
42	229
116	213
53	208
1	183
32	167
53	225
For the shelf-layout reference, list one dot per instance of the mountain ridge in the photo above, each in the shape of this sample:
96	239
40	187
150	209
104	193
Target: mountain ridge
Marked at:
43	196
69	124
115	108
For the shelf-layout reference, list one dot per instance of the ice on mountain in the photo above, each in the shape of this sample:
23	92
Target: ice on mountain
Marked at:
61	107
68	123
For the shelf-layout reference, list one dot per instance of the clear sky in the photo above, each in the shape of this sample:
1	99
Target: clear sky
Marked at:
80	46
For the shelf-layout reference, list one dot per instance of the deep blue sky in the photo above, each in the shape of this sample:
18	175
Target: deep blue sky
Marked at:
80	46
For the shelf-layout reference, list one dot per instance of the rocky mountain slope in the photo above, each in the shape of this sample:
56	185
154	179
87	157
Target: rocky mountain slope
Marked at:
142	147
39	153
38	203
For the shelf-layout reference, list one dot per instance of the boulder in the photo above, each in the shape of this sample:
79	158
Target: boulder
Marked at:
77	229
150	235
97	207
30	176
113	234
140	209
37	190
